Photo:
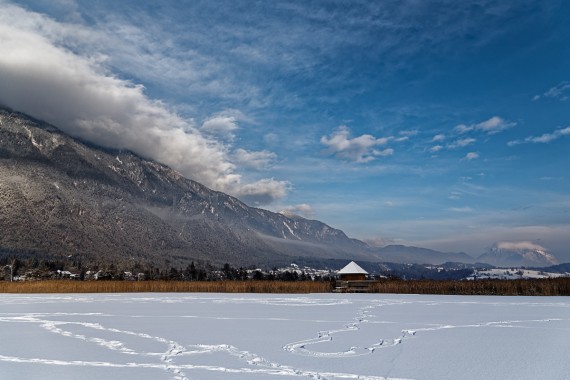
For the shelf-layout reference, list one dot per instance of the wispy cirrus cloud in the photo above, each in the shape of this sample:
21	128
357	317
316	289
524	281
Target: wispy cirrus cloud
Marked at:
465	209
259	160
461	143
405	135
542	139
490	126
358	149
213	55
560	91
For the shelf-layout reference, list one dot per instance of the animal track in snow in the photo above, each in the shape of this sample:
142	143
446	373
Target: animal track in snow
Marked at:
325	337
162	360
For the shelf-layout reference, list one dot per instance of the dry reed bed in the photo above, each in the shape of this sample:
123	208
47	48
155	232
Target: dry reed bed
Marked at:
532	287
537	287
54	286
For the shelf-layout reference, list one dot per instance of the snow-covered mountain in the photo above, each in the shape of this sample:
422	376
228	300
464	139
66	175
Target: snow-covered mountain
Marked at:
518	254
60	197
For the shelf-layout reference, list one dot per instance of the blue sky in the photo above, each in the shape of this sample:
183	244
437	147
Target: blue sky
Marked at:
441	124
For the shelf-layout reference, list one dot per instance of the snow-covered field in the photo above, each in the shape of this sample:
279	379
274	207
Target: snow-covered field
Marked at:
247	336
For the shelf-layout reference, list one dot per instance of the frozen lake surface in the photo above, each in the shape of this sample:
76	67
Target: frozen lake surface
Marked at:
252	336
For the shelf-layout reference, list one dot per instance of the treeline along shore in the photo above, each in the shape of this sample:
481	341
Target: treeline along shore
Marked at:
33	275
531	287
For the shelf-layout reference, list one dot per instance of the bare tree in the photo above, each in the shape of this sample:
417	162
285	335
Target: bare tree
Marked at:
11	266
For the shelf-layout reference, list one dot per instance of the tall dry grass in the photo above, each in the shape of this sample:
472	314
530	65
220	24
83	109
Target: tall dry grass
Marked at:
531	287
536	287
55	286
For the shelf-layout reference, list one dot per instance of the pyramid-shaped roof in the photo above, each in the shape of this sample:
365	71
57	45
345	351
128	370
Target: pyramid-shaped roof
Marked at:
352	268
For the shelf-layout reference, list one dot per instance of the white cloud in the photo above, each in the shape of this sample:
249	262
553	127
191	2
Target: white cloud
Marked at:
542	139
491	126
383	153
439	137
461	143
358	149
409	133
462	128
548	137
302	209
77	92
263	191
223	124
494	125
521	245
257	160
557	92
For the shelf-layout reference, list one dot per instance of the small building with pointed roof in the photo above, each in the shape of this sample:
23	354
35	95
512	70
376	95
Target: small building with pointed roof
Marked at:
352	272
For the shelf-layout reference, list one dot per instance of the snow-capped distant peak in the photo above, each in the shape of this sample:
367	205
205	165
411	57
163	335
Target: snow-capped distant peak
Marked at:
523	253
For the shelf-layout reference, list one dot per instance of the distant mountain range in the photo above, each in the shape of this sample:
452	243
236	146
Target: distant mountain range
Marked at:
62	197
517	255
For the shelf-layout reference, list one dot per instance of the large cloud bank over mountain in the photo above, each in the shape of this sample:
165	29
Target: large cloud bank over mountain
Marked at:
47	73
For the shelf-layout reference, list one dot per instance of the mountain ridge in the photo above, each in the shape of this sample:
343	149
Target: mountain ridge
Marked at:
63	196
